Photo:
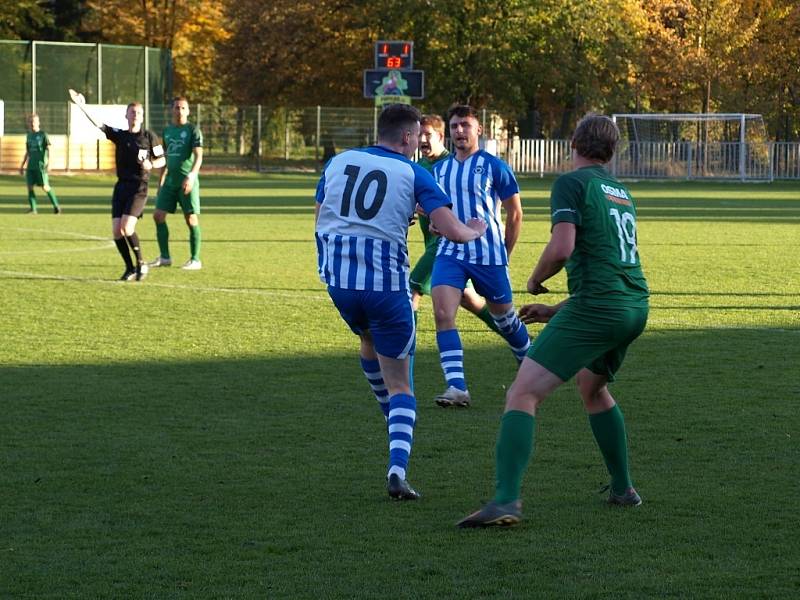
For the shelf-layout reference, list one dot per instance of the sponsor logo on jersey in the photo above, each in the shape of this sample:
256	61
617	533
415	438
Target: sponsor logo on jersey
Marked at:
615	194
478	170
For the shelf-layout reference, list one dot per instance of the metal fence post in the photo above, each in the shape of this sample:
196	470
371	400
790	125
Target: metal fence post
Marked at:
99	73
69	126
286	134
33	76
689	161
258	138
319	128
742	149
146	88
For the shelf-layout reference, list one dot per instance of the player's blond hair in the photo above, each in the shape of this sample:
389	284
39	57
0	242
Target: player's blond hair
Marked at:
434	121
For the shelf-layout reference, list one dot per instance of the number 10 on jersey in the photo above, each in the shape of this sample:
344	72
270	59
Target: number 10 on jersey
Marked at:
364	212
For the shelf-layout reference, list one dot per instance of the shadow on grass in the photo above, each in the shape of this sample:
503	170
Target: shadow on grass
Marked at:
264	477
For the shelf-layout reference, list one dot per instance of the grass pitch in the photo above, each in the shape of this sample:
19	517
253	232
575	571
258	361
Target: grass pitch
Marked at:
210	435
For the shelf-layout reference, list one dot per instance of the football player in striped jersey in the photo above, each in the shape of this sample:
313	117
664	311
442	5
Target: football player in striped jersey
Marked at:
366	198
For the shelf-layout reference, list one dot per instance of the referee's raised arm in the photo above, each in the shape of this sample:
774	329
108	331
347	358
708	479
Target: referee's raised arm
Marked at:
79	101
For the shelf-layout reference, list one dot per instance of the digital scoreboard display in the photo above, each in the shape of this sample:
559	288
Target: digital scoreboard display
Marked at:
394	55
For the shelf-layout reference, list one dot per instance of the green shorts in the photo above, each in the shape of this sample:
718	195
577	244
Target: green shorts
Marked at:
592	337
36	177
169	196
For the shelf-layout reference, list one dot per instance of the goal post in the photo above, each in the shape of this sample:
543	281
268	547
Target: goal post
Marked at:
693	146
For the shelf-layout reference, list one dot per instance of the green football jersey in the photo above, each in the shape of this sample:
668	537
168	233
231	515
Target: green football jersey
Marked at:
604	268
180	142
424	220
37	143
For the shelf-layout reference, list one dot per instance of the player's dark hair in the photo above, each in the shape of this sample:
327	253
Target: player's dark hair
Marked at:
180	99
434	121
134	104
394	120
461	111
596	137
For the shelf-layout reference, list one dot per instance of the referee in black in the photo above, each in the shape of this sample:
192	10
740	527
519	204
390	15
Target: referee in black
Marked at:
138	151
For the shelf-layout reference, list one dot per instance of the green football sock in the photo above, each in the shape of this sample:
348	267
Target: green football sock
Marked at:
609	431
486	317
416	318
53	200
162	235
194	241
32	200
514	449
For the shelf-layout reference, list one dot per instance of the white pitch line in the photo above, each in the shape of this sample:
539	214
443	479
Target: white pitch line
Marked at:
300	294
109	243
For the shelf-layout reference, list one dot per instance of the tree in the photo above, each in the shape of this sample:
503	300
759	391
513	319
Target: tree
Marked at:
192	29
23	19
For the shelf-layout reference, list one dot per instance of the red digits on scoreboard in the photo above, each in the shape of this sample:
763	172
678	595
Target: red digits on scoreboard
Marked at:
393	62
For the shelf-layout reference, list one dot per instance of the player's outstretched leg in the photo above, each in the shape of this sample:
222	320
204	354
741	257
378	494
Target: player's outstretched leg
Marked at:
476	304
372	371
53	200
514	449
32	201
514	332
451	357
402	417
162	236
124	252
608	427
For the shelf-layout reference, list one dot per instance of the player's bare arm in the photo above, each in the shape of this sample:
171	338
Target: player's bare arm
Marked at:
191	177
163	177
24	162
513	209
448	225
553	258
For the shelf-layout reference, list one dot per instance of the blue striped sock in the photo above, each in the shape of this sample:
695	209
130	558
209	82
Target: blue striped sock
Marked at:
451	356
514	332
372	371
402	416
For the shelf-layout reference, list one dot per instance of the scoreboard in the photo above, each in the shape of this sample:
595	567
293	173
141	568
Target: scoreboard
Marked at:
394	55
394	79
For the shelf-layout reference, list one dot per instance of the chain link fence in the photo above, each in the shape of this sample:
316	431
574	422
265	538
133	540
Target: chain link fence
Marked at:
278	139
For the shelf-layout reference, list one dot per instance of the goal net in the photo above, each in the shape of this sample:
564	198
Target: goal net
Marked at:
692	146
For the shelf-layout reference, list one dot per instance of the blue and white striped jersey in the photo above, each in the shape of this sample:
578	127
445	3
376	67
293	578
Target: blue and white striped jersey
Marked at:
476	188
366	198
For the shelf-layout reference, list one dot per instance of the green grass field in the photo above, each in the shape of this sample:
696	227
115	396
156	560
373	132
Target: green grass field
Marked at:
210	435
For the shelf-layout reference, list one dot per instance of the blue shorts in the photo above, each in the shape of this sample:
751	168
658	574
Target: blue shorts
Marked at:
387	316
490	281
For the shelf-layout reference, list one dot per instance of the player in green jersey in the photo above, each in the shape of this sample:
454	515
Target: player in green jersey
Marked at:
594	236
432	150
36	157
179	184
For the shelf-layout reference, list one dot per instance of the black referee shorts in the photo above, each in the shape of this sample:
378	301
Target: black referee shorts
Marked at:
129	198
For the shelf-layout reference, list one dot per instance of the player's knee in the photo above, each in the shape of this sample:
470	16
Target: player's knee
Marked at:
46	188
444	316
159	216
592	391
519	397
